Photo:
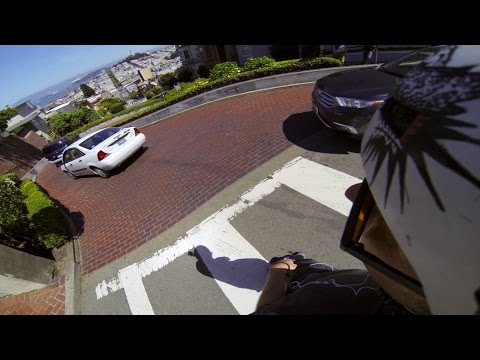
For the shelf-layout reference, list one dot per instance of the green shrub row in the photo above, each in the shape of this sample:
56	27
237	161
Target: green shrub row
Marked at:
13	213
231	73
46	218
10	176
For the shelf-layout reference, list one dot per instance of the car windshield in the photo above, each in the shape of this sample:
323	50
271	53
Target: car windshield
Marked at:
55	145
399	67
97	138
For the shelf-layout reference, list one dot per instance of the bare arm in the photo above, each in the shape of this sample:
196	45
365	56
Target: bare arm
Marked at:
276	285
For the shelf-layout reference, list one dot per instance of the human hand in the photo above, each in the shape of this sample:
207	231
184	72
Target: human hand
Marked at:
286	264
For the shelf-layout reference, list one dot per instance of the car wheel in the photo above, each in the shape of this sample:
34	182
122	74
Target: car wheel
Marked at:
102	173
74	177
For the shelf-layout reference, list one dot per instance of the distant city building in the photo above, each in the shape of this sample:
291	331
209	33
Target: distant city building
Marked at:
94	98
146	74
63	108
122	93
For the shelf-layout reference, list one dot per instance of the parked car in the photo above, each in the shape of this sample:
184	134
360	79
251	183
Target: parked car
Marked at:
346	101
101	151
54	149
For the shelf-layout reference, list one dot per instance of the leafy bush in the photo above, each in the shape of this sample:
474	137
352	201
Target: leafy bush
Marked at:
61	124
45	216
167	81
258	63
203	71
111	105
13	212
224	70
5	115
10	176
203	85
133	95
183	74
155	90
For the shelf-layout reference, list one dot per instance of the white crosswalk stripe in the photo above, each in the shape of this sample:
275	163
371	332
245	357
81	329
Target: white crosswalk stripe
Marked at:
218	237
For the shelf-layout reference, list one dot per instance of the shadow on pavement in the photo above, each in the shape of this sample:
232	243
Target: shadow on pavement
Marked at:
76	216
305	130
246	273
124	166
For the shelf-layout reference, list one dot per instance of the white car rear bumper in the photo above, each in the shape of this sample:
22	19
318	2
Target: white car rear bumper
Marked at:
128	149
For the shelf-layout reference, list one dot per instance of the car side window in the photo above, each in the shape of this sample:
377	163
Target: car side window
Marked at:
72	154
77	153
68	156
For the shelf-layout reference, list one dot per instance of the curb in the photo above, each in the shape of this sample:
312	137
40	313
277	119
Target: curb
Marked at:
72	276
32	174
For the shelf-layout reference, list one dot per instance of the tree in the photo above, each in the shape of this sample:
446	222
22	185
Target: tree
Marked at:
153	91
167	81
183	74
5	115
112	77
63	123
13	212
133	95
87	90
203	71
111	105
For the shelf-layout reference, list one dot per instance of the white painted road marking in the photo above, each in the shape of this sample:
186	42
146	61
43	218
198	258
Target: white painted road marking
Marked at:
237	267
135	291
320	183
227	246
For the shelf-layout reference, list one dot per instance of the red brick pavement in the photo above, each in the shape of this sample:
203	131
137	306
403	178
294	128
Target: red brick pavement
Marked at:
190	158
46	301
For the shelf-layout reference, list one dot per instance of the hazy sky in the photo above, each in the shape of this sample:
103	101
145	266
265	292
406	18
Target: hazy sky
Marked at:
26	69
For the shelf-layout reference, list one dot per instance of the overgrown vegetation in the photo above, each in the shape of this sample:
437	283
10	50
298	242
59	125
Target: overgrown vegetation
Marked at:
221	75
14	221
5	115
110	106
225	70
203	71
167	81
45	217
63	123
87	90
183	74
258	63
29	220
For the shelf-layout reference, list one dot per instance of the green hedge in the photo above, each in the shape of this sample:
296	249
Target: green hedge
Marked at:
44	215
202	85
257	63
11	176
13	213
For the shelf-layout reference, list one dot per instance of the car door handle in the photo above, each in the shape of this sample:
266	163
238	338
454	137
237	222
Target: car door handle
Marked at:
79	160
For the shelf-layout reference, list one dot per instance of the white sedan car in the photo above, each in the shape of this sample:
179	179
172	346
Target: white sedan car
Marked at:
100	152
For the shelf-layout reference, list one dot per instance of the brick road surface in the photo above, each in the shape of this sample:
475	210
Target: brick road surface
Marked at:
189	158
46	301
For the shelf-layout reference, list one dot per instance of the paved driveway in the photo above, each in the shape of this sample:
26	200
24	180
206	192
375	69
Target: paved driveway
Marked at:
187	159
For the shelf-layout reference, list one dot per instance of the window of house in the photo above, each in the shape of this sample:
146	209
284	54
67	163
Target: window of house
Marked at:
186	54
247	50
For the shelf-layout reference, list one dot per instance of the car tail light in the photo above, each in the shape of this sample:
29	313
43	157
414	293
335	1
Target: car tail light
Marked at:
136	131
102	155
